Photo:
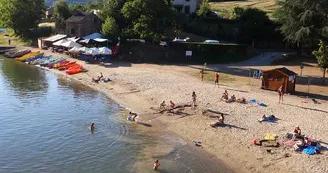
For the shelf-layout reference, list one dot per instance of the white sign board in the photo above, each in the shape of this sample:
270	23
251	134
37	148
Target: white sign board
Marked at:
188	53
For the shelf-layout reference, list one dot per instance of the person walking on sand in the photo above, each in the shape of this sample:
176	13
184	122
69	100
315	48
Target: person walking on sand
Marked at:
193	100
9	41
281	91
201	73
216	79
133	115
156	165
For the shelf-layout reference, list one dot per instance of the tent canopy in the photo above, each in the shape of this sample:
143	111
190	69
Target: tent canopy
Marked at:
70	44
84	49
93	36
101	40
75	39
60	42
87	41
93	51
55	38
105	51
74	49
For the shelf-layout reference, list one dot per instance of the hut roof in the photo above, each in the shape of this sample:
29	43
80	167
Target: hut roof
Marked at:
283	70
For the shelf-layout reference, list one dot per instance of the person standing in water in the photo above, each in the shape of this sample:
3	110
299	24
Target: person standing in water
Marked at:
281	91
92	126
193	100
156	165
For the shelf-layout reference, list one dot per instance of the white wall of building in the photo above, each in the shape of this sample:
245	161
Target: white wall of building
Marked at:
185	3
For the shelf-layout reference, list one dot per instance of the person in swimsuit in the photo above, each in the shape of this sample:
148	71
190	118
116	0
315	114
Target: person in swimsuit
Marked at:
193	100
98	78
216	81
297	131
92	126
225	95
172	105
162	106
156	165
218	122
281	91
133	116
201	73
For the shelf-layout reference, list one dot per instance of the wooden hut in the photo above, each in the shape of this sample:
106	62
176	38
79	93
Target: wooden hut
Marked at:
272	79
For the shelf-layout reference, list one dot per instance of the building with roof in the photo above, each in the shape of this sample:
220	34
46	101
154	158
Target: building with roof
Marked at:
186	6
274	78
82	24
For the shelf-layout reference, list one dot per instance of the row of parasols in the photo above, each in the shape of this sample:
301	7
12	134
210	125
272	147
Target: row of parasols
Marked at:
92	51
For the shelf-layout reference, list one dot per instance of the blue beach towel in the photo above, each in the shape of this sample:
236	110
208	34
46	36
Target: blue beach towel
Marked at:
252	101
310	150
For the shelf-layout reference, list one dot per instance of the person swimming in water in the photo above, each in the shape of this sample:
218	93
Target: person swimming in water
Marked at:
156	165
92	126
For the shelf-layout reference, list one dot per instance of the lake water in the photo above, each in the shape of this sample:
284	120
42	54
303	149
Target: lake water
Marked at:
45	118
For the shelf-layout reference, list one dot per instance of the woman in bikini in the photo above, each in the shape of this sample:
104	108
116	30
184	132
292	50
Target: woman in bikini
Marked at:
193	99
281	91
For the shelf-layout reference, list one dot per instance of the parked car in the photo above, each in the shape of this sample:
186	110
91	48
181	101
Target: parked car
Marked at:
212	42
179	39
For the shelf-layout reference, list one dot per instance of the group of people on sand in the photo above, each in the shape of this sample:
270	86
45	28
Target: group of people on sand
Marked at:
162	106
225	97
100	78
216	77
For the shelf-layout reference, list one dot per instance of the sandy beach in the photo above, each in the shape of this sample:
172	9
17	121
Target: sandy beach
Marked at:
142	87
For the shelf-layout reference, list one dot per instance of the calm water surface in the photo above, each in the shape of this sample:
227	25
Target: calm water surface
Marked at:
44	121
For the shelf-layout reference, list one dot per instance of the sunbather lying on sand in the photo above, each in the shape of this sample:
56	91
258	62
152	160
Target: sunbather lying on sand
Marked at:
97	79
218	122
267	118
242	100
225	95
232	99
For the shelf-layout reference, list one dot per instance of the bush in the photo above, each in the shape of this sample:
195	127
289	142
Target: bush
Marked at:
43	31
212	53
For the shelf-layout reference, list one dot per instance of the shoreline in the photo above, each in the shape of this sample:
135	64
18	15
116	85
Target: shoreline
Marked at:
141	87
157	125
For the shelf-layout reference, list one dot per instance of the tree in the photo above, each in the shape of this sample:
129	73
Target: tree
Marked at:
236	12
322	58
110	28
253	25
61	13
148	19
112	8
21	16
303	21
204	9
72	8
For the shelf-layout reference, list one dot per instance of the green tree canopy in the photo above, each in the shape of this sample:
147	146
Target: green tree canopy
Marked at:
61	11
253	25
236	12
73	7
149	19
303	21
322	58
21	16
204	9
112	8
110	28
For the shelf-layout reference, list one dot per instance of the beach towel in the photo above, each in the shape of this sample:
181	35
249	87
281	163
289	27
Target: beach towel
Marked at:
252	101
310	150
261	104
290	143
270	137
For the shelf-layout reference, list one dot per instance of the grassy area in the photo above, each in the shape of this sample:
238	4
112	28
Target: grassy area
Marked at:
209	76
224	8
15	41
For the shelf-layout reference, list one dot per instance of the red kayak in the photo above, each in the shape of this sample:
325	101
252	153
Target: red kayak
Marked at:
74	71
64	67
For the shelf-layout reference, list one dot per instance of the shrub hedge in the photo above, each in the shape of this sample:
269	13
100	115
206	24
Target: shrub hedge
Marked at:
212	53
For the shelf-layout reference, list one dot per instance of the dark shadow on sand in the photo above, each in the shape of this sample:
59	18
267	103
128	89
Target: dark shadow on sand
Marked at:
312	109
144	124
230	126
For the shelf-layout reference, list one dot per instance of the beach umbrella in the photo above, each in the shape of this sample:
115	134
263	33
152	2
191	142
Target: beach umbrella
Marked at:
70	44
105	51
74	49
60	42
93	51
84	49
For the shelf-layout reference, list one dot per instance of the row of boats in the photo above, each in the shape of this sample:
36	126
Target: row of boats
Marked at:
38	58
